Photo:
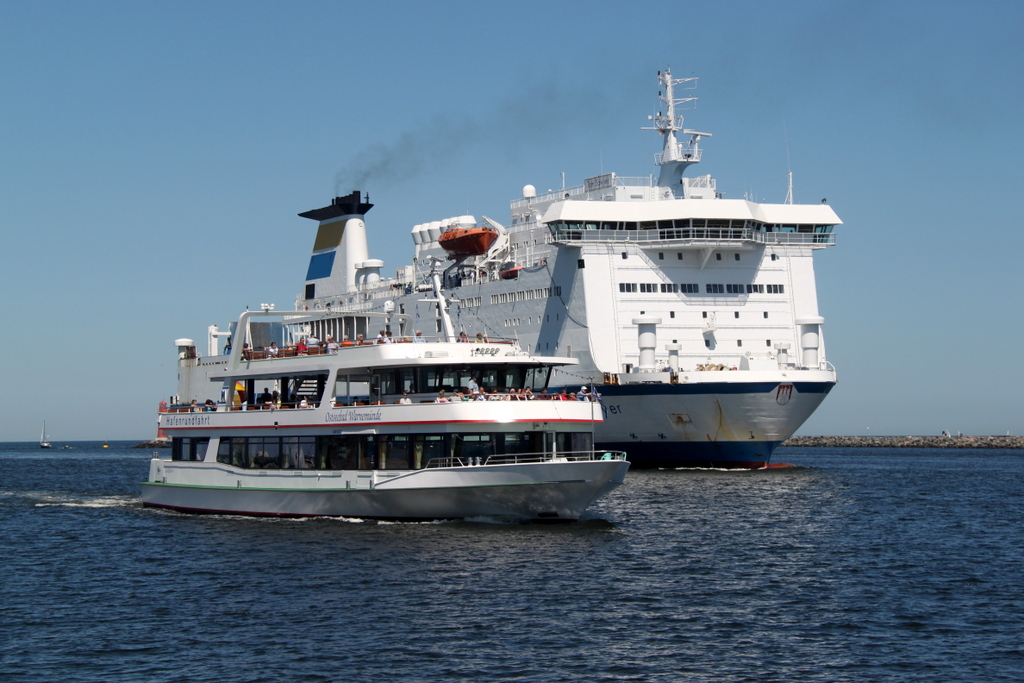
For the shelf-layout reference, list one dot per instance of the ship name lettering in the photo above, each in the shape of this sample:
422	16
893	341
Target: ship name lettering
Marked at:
190	421
353	416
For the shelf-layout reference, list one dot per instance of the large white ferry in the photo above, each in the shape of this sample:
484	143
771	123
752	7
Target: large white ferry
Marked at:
387	430
695	316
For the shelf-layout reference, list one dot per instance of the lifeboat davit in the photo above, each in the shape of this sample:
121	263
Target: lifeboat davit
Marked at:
463	242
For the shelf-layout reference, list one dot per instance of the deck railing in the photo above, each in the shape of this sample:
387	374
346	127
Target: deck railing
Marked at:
698	235
525	458
323	350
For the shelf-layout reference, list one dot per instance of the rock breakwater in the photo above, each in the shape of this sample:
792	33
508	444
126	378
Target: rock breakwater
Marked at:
906	441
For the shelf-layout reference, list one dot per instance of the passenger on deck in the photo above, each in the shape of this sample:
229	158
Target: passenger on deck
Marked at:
481	339
419	337
441	398
210	406
303	403
360	341
332	346
405	398
388	339
345	341
301	349
380	338
246	354
266	400
272	350
463	337
194	407
583	394
313	343
472	385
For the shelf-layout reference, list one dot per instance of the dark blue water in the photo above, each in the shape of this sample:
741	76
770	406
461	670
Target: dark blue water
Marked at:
867	565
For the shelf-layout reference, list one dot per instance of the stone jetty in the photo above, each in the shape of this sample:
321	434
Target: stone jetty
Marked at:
157	443
906	441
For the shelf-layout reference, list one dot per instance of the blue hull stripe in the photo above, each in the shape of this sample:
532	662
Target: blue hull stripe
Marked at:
727	454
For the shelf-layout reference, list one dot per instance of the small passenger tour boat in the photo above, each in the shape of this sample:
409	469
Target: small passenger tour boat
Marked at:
412	428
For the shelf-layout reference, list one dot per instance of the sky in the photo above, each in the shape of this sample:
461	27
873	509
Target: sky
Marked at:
154	158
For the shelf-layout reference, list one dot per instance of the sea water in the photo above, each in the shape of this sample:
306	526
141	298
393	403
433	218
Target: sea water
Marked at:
861	565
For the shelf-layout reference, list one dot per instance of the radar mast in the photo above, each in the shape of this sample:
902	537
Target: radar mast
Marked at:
675	156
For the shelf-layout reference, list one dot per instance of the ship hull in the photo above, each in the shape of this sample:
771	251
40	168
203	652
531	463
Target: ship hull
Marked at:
548	491
715	424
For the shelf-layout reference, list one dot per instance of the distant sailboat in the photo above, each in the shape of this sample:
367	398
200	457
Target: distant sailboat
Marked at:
43	443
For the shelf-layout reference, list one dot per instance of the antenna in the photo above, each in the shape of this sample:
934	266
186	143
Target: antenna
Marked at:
789	169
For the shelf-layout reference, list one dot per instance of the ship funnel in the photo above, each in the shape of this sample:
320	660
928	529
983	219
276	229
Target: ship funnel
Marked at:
187	358
339	248
647	340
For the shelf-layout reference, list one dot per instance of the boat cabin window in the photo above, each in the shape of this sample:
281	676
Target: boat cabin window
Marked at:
189	448
380	451
353	389
387	385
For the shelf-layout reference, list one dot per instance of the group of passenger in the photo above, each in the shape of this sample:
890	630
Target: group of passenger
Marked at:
271	400
312	345
473	392
481	338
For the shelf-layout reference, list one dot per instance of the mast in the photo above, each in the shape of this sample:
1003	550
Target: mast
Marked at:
675	156
442	302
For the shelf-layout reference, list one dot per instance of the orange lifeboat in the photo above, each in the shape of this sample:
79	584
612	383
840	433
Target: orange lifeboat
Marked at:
463	242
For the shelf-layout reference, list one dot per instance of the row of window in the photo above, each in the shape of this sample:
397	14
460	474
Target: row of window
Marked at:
693	288
739	342
372	451
525	295
690	223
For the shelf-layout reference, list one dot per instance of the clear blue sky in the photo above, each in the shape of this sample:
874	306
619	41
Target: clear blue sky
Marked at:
153	158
